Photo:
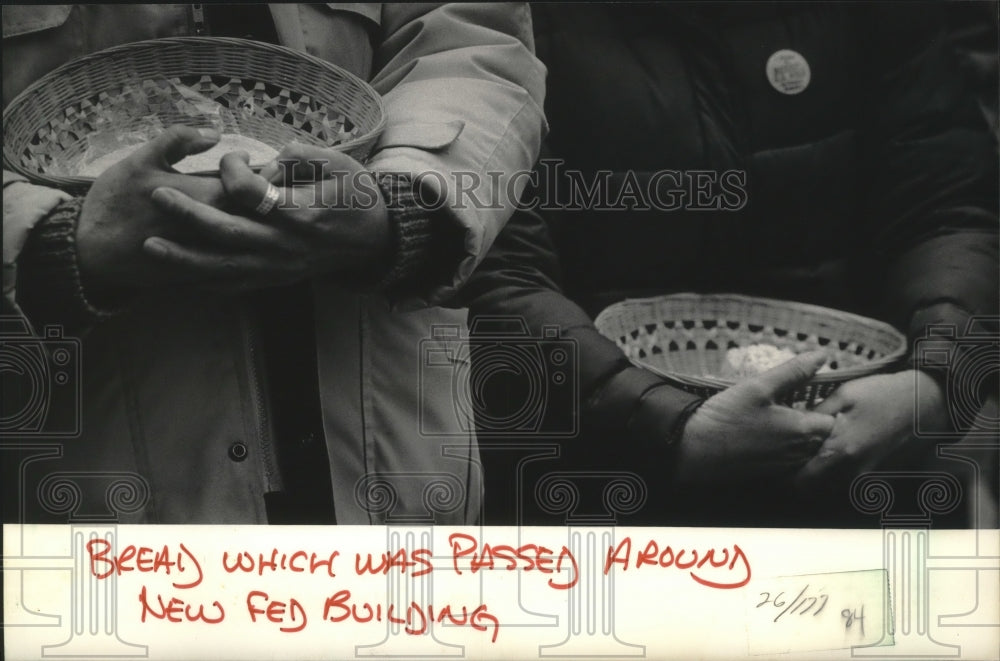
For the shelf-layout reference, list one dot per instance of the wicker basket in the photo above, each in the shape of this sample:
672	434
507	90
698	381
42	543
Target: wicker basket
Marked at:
684	338
274	94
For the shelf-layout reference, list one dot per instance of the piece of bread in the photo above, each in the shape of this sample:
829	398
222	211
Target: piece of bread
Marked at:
207	161
749	361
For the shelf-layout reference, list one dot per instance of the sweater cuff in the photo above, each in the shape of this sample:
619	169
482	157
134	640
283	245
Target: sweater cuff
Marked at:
411	229
49	285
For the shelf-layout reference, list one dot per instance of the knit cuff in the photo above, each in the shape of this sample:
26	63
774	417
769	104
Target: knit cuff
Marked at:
412	229
49	285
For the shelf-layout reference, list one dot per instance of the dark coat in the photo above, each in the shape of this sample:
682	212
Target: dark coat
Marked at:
874	189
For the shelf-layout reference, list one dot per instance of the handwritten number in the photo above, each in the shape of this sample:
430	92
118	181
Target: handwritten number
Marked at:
851	616
801	605
812	602
767	598
801	592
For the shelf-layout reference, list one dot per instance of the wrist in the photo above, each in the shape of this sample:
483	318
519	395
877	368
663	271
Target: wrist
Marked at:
687	466
49	281
650	411
932	401
677	446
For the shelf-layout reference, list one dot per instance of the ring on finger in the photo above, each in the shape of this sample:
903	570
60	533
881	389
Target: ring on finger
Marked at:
270	199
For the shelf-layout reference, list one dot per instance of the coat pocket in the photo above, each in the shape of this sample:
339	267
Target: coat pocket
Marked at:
430	136
24	19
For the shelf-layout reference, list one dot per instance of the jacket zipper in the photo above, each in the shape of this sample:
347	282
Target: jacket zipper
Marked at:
200	28
269	460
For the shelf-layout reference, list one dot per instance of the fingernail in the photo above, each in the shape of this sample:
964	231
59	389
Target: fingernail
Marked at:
163	194
209	133
816	356
156	247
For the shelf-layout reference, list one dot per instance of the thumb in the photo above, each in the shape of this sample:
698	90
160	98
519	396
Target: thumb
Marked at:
177	142
802	425
791	374
817	425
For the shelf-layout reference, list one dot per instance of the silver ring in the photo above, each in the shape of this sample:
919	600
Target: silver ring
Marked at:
270	199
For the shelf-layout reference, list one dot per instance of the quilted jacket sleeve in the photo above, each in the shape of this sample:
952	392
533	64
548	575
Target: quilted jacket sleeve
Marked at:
516	287
931	171
463	93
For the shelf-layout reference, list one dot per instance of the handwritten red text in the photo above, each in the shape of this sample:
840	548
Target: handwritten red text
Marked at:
706	567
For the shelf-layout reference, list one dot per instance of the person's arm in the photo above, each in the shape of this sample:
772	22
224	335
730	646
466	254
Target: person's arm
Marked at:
41	282
66	252
518	281
932	178
25	205
740	432
931	233
463	94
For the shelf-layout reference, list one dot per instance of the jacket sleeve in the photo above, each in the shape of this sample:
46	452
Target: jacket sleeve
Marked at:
933	180
516	286
463	93
24	205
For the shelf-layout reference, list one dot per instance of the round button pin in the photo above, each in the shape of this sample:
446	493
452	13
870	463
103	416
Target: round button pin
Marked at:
788	72
238	451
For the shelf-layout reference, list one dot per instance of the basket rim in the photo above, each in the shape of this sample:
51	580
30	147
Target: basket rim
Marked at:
721	383
11	163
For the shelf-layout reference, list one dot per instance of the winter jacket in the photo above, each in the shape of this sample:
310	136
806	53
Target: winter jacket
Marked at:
173	392
820	152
